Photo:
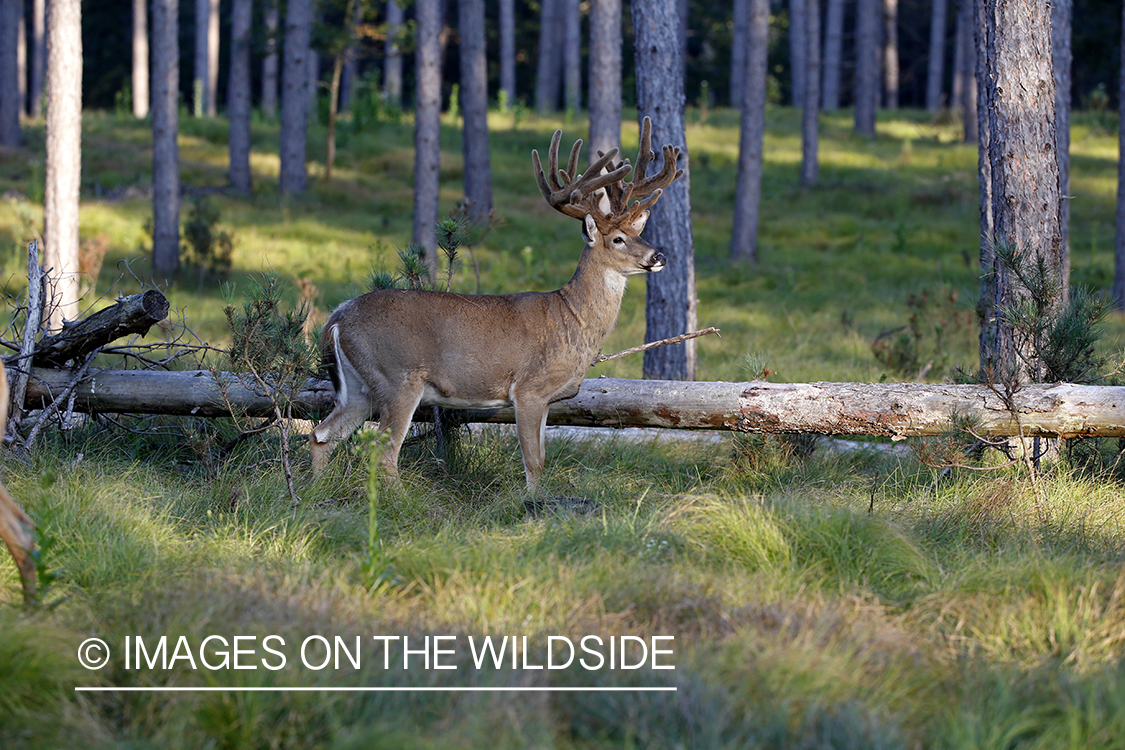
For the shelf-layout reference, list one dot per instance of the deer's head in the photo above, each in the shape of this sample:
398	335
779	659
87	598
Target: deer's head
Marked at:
600	198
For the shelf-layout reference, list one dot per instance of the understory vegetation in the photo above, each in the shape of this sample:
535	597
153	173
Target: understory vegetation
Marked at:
848	596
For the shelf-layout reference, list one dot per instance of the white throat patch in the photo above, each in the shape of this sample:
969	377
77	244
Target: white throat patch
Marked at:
615	282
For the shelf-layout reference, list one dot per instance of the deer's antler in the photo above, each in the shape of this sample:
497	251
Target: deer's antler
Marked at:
580	194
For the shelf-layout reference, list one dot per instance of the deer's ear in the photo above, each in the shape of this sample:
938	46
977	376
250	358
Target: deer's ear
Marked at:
639	222
591	228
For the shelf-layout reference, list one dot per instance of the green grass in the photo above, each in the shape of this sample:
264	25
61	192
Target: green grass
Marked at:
842	599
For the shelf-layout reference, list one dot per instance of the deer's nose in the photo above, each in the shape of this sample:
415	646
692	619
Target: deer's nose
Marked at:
658	261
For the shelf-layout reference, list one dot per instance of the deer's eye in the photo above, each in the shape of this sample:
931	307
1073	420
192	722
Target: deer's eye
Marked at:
619	240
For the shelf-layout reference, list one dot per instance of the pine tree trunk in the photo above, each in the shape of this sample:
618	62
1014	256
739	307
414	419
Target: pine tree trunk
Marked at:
212	102
890	53
605	76
508	53
64	158
1119	253
833	52
238	94
798	48
474	110
738	51
671	304
269	61
392	66
984	176
10	104
165	127
866	66
1061	12
748	191
21	63
1023	159
572	54
427	126
810	121
295	97
967	61
38	56
199	68
548	66
140	59
350	73
935	70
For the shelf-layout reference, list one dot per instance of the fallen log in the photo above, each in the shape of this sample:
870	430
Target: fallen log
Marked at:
896	410
129	315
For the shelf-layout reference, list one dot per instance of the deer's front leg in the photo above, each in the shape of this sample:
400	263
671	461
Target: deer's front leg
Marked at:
531	423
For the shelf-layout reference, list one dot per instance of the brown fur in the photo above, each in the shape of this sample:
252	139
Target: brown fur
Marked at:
16	529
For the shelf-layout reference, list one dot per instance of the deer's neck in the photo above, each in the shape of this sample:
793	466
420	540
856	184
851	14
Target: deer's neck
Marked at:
594	297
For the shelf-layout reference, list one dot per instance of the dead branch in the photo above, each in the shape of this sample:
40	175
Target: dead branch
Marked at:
653	344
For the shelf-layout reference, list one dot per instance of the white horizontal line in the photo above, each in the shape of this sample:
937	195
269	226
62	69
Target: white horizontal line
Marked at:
157	689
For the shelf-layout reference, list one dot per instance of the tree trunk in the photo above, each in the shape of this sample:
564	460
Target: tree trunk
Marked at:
238	94
798	50
507	53
1061	12
269	61
21	63
888	409
548	66
474	110
748	192
64	159
212	104
10	104
935	70
810	121
392	66
131	315
738	44
38	56
572	54
350	73
1119	254
295	97
605	76
987	310
671	305
427	127
890	53
833	52
199	67
866	66
165	127
1020	91
140	59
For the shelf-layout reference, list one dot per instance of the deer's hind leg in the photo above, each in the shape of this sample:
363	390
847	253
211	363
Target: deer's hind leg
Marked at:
395	415
354	406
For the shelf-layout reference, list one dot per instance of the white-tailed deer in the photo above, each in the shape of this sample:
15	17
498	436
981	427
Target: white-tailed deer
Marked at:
391	350
16	529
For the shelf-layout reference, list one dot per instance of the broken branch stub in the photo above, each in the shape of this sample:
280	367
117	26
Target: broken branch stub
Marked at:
129	315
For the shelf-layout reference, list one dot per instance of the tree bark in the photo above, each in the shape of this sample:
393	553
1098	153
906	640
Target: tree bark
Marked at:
866	66
738	48
127	316
833	52
671	305
935	70
350	73
508	53
1024	163
165	128
269	61
748	190
810	121
10	105
140	59
213	59
605	76
64	159
1119	252
200	76
572	54
295	97
392	66
987	310
798	50
38	56
886	409
549	63
890	53
1061	14
238	94
474	110
427	127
